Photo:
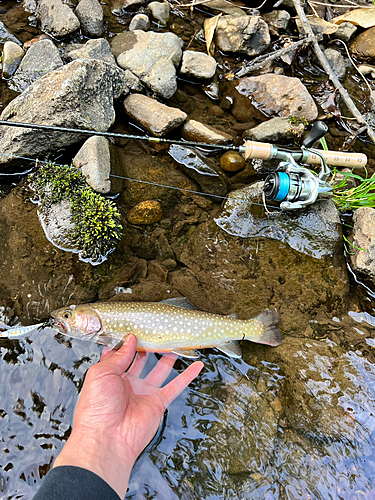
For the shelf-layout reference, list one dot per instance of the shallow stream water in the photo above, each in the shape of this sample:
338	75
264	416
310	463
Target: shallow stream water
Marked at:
279	424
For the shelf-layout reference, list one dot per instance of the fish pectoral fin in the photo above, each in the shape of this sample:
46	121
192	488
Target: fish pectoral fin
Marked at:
231	349
179	302
186	353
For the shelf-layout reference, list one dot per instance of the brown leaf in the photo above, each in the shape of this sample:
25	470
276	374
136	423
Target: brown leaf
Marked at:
359	17
209	32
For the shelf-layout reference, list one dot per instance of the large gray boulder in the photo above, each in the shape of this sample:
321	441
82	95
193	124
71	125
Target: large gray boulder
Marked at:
153	57
80	94
94	49
56	18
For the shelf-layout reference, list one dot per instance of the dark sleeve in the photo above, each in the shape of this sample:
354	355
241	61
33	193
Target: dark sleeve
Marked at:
74	483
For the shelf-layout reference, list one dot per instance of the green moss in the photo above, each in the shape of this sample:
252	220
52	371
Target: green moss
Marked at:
97	222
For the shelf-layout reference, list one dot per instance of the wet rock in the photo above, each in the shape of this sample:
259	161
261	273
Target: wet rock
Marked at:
151	56
97	160
30	261
11	58
160	11
337	62
34	40
242	34
274	95
56	18
139	22
315	230
224	7
198	65
158	172
63	98
90	16
345	32
306	402
146	212
41	58
193	130
200	169
277	130
232	162
156	117
6	35
367	69
319	27
94	49
120	6
278	19
363	257
261	272
363	45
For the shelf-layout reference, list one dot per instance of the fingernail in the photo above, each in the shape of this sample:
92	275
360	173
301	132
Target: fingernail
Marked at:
128	339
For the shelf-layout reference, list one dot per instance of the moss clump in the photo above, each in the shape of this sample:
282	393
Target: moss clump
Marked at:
96	220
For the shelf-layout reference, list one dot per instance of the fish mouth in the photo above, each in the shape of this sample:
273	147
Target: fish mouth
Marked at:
59	324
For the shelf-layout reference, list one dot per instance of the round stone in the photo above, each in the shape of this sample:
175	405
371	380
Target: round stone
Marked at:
232	162
145	212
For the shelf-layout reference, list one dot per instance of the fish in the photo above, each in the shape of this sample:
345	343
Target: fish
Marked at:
172	325
19	331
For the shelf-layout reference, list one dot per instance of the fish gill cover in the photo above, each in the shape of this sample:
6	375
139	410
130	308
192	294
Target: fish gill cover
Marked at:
75	217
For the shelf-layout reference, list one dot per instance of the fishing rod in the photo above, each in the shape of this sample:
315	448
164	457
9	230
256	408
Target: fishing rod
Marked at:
250	149
290	185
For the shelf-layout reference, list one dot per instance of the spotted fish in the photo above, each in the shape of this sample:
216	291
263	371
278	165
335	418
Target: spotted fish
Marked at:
173	325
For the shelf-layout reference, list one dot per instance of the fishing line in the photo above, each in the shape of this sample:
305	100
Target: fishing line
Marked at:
36	160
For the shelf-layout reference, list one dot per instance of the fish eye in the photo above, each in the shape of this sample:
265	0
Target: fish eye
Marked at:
67	314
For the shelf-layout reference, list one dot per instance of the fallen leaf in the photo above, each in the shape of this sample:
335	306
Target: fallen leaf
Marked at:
209	32
359	17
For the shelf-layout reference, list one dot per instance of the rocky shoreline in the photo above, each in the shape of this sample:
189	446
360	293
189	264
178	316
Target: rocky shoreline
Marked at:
150	68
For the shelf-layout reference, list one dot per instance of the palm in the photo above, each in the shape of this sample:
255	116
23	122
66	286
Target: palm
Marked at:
125	407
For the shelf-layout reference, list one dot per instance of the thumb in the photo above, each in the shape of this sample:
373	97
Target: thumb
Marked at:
119	361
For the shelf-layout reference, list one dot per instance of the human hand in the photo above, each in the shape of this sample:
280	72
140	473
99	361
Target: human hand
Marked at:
118	413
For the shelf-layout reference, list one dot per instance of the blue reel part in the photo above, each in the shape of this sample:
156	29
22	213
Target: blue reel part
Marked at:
276	186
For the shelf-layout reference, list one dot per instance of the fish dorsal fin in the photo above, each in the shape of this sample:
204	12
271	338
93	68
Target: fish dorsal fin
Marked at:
231	349
186	353
179	302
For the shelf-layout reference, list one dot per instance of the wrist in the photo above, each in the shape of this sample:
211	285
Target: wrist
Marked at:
100	455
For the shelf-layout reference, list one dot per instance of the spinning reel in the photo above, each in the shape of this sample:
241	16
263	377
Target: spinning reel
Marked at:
294	186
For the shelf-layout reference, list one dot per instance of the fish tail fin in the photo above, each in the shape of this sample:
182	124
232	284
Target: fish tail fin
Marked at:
271	334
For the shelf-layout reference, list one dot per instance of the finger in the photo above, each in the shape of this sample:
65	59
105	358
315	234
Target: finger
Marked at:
120	360
138	364
161	370
177	385
106	352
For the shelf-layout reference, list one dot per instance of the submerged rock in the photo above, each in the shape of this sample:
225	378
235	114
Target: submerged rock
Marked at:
231	161
363	45
315	230
6	35
146	212
80	94
245	275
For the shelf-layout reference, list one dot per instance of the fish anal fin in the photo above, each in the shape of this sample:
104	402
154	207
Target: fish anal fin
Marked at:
179	302
186	353
231	349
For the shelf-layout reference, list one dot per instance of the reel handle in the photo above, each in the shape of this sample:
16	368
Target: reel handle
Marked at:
318	130
267	151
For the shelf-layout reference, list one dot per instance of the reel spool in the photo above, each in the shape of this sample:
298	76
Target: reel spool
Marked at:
293	186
